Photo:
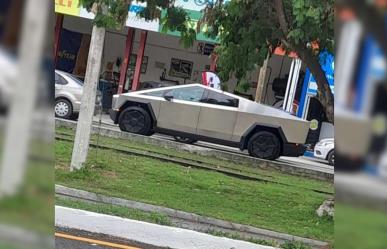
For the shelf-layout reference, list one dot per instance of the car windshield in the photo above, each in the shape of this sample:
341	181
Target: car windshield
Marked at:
75	79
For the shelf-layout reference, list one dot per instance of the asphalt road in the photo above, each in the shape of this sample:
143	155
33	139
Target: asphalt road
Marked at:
73	244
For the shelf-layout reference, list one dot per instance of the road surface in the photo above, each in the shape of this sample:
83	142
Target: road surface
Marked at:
72	239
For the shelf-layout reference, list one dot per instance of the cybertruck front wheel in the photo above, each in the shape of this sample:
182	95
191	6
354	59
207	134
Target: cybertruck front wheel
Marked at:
265	145
135	120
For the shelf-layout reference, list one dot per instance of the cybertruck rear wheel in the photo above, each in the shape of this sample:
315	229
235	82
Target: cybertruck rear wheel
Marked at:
265	145
135	120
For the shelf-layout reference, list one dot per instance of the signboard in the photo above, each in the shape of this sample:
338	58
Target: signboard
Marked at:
327	62
68	51
181	68
309	89
372	70
193	7
211	79
68	7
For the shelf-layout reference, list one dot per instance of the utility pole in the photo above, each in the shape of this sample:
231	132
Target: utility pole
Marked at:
259	94
21	112
82	136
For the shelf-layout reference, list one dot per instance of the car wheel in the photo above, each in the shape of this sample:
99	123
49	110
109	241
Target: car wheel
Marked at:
331	158
185	140
135	120
63	108
265	145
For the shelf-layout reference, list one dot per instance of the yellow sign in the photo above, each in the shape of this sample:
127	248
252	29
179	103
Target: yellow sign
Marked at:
68	7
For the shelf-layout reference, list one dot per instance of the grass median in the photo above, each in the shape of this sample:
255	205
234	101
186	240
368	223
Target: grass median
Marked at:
288	209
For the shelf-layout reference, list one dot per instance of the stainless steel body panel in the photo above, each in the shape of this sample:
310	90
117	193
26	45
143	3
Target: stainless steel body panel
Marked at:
179	116
217	121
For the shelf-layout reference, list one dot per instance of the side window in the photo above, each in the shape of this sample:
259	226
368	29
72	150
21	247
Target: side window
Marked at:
216	98
193	93
60	80
155	94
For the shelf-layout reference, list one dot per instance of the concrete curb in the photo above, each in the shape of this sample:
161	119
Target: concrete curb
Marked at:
143	232
188	220
299	170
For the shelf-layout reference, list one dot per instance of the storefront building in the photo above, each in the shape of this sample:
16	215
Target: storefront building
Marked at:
141	53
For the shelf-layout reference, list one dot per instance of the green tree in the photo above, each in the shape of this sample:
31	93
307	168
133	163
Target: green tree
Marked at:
248	29
113	14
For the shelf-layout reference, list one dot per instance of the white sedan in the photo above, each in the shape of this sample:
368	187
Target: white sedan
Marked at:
325	149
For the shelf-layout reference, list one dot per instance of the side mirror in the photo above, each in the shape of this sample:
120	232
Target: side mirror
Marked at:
168	97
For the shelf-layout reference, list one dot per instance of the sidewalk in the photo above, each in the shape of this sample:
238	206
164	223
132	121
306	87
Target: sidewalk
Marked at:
147	233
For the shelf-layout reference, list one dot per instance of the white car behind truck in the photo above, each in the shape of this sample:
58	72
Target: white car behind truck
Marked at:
325	149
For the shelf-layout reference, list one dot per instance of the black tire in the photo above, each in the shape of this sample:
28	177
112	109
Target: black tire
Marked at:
185	140
135	120
331	158
63	108
265	145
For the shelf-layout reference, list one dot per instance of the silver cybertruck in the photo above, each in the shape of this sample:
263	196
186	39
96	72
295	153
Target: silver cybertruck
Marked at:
197	112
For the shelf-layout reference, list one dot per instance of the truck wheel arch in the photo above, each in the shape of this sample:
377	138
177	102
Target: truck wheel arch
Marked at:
146	106
277	130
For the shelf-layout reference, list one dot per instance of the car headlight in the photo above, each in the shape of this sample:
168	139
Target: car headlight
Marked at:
326	143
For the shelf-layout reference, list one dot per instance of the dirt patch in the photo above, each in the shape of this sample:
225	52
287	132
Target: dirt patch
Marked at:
110	174
62	166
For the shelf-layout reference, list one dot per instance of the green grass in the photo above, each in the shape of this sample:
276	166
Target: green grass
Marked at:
359	228
287	209
267	174
31	207
120	211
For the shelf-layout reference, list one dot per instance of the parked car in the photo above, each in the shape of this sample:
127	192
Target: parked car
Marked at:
202	113
325	149
68	94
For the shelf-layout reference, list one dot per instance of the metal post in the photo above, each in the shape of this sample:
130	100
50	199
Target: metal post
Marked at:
140	56
125	63
288	85
293	86
214	58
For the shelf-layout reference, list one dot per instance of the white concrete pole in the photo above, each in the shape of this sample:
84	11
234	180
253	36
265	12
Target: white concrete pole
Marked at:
82	136
19	123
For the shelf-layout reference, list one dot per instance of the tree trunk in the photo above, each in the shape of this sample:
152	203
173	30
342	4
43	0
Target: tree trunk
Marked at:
324	93
82	136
